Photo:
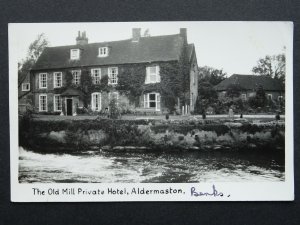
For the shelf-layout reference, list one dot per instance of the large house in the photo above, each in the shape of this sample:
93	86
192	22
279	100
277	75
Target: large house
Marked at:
249	84
152	74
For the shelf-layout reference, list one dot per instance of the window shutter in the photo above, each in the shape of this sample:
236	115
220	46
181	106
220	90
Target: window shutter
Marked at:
144	101
158	101
147	75
157	74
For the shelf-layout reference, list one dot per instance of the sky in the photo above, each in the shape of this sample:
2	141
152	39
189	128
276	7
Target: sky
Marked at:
234	47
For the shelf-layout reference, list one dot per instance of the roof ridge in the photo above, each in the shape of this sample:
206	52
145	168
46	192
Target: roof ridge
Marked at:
105	42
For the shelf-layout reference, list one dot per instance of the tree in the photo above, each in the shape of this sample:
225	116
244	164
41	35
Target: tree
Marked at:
260	99
207	96
212	75
271	66
233	91
34	51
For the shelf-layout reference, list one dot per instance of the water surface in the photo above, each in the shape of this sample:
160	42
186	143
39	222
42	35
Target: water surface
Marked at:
100	167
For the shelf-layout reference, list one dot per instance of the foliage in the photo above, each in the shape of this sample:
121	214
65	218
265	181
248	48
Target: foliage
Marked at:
211	75
113	109
34	51
207	96
233	91
271	66
259	100
131	82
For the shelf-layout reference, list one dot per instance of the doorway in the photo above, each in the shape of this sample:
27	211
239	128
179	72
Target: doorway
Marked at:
69	105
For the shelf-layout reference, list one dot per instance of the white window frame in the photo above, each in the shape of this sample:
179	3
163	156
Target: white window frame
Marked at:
55	107
93	103
41	82
55	79
244	97
103	52
113	80
25	86
46	103
149	75
270	95
280	98
94	77
76	74
74	54
147	101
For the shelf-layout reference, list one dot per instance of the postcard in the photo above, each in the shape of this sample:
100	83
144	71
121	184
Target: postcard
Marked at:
151	111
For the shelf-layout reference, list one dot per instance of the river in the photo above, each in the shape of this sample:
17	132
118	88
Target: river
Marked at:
100	167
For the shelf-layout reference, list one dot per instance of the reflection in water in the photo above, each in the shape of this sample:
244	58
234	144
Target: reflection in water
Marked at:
185	167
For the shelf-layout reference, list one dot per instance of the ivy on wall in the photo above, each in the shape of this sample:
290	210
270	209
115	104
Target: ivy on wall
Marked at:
174	83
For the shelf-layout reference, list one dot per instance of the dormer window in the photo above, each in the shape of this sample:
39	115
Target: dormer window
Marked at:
74	54
103	52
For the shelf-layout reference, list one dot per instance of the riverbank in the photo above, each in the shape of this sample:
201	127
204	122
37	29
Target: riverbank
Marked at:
150	135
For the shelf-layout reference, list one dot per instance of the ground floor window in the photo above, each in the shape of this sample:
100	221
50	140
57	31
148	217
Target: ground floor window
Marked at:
152	101
270	96
43	103
57	101
96	101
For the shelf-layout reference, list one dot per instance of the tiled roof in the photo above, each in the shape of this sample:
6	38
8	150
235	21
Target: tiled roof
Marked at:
250	82
148	49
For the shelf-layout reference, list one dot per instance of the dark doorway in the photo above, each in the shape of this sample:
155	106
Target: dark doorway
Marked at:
69	107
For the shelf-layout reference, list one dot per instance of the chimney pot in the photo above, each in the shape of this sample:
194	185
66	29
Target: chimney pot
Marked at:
136	34
82	39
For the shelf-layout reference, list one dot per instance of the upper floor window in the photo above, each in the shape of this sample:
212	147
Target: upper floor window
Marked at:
43	80
96	75
152	74
57	79
25	86
74	53
103	52
76	76
112	75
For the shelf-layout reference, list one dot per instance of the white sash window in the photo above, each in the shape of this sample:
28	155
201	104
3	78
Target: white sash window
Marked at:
152	74
57	79
96	101
43	103
96	75
57	101
113	75
43	80
76	76
152	101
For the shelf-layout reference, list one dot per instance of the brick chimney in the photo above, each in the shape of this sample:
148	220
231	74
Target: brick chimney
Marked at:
136	34
183	35
82	39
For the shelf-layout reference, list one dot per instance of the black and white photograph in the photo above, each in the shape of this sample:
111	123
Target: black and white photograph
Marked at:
181	111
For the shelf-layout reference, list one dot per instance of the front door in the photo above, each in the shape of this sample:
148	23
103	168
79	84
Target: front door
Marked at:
69	107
